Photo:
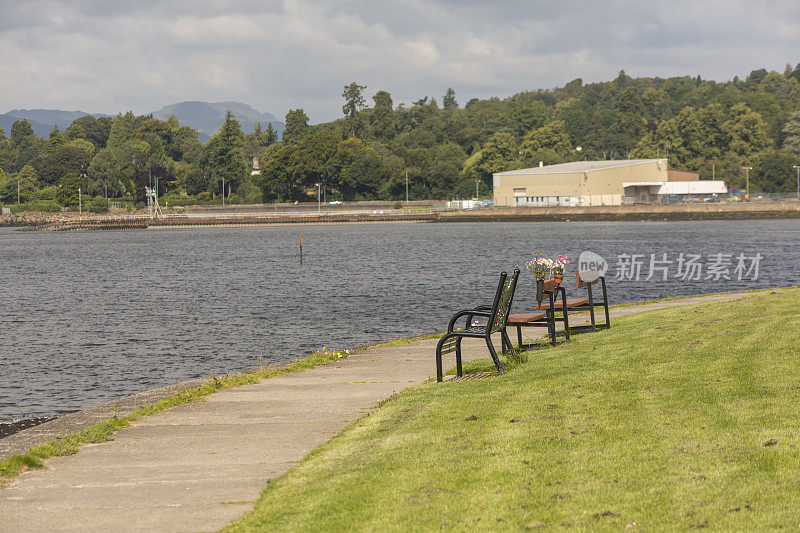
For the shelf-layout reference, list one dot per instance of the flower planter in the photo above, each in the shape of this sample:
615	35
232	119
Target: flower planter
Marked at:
559	278
539	290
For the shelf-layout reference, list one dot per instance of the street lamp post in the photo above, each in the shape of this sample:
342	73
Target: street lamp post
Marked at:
17	188
747	190
798	181
406	186
319	200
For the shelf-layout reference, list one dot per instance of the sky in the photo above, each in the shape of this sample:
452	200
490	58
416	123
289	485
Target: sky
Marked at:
106	57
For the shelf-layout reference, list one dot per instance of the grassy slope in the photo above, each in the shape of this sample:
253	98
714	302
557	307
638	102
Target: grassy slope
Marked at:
659	423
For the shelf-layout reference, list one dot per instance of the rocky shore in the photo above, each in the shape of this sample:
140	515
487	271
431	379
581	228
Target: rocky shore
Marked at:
10	428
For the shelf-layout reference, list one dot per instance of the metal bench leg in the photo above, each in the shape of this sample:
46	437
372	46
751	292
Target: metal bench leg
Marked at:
564	309
492	351
605	302
506	341
439	358
459	370
591	307
551	325
519	337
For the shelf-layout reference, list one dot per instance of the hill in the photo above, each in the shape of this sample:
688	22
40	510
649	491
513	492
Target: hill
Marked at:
206	117
40	128
660	423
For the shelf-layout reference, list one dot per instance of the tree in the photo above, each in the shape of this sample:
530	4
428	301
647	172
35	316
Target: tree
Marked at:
773	172
25	179
8	152
296	126
353	95
382	118
288	171
271	135
529	116
225	158
630	124
121	129
73	157
95	130
552	136
746	133
449	101
791	132
104	173
497	154
70	189
358	169
21	130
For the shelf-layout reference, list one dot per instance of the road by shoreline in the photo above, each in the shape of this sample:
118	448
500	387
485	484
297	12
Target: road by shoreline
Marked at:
248	216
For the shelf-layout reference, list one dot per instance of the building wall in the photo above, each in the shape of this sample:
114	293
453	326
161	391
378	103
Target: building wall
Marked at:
682	175
596	187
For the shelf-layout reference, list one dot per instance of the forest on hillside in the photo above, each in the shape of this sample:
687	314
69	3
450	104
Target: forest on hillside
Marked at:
444	149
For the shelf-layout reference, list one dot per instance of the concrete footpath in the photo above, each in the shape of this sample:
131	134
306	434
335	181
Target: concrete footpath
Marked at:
198	467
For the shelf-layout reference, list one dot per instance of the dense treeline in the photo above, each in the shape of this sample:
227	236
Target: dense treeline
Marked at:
442	150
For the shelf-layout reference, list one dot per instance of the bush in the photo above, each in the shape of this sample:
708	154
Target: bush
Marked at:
38	205
398	205
48	193
98	204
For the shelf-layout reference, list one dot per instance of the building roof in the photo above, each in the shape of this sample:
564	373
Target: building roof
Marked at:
579	166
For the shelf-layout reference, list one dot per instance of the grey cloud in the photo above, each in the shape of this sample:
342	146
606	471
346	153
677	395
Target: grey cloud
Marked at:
110	56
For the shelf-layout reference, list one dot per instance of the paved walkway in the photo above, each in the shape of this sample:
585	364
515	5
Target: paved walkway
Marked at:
198	467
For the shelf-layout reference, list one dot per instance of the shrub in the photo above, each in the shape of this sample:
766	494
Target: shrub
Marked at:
98	204
38	205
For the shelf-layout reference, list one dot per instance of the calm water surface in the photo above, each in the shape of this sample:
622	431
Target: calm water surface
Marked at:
86	317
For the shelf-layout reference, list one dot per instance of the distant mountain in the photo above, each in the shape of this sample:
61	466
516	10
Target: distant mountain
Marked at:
43	120
7	120
207	117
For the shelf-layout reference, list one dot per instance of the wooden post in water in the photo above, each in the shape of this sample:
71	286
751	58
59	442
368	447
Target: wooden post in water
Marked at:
301	247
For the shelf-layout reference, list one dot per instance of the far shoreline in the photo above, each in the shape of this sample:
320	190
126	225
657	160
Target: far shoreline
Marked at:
361	213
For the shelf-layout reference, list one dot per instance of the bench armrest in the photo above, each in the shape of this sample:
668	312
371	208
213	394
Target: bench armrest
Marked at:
467	312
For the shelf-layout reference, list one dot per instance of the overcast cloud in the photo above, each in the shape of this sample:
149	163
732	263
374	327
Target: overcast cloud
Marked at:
275	55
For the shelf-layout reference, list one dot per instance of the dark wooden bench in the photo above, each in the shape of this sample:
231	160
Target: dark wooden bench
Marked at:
496	319
584	279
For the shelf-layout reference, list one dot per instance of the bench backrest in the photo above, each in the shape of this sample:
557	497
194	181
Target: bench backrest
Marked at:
502	300
584	278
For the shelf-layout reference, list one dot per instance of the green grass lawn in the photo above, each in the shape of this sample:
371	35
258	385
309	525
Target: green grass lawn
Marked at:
679	418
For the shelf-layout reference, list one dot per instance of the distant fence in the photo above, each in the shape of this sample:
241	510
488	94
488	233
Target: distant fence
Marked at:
732	197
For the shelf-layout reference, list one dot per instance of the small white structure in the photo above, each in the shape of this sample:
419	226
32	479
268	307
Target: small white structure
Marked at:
642	190
465	204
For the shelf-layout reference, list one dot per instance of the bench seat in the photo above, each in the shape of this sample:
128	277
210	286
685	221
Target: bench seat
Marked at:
571	302
524	318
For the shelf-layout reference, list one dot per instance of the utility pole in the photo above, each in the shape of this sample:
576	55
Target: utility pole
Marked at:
406	186
747	190
80	203
798	181
105	186
476	188
223	191
17	188
713	171
319	199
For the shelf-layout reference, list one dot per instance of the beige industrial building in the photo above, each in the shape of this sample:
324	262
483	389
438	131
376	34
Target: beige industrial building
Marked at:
592	183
